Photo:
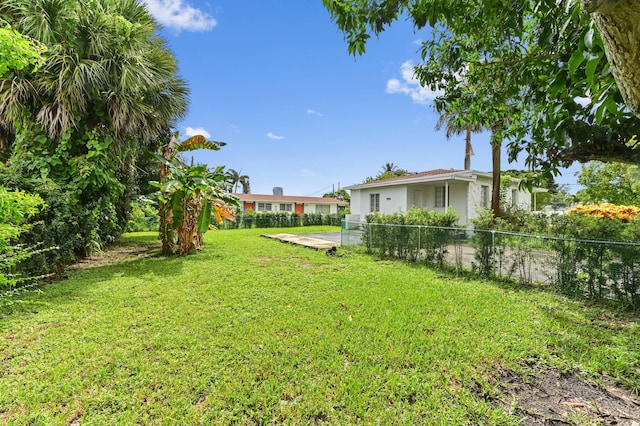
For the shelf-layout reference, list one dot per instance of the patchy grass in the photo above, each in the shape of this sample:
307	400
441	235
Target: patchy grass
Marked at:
252	330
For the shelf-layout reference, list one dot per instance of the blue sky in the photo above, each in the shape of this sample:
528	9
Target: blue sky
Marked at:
273	79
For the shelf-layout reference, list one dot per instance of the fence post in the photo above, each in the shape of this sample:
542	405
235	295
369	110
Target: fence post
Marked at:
493	250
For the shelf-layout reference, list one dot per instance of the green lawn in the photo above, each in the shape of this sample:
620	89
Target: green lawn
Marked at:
255	331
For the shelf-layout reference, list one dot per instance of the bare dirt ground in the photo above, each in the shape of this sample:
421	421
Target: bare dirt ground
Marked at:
118	253
552	398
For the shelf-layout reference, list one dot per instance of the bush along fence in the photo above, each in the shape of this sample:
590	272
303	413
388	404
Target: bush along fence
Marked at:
16	208
252	219
594	269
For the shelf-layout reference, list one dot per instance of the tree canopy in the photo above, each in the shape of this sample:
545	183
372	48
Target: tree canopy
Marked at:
18	52
615	183
540	63
340	194
388	171
79	128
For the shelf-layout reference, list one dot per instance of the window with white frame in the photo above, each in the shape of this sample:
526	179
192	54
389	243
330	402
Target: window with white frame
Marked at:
323	208
286	207
264	207
441	196
374	202
484	196
514	197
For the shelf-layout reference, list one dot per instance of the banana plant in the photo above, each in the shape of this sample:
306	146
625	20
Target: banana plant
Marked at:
190	197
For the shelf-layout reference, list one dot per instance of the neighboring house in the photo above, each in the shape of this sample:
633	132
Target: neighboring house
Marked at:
466	191
290	204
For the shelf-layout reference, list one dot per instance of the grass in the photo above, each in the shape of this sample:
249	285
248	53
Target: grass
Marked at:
254	331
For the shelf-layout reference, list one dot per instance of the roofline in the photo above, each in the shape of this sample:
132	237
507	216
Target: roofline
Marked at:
463	175
288	198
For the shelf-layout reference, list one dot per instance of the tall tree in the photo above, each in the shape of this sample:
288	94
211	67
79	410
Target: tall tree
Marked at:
389	168
106	68
617	22
237	178
108	91
615	183
388	171
455	125
340	194
548	54
17	53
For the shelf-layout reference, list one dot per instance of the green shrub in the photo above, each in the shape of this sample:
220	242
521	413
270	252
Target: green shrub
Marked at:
16	208
592	267
483	241
144	216
252	219
422	235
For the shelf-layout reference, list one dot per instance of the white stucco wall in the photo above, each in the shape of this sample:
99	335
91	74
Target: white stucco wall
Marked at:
356	203
523	198
393	199
312	208
458	200
475	197
464	197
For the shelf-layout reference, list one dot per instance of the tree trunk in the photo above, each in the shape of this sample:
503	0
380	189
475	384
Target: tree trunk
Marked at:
166	232
468	151
617	21
496	146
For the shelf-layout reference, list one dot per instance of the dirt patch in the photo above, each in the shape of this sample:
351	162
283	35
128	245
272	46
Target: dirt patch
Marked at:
117	254
552	398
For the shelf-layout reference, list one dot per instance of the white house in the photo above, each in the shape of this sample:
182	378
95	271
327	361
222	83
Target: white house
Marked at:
289	204
466	191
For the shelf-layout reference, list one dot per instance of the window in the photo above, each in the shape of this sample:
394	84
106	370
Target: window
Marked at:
264	207
514	197
374	202
323	208
440	196
286	207
484	196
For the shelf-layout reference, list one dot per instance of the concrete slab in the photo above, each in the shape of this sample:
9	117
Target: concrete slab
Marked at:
303	240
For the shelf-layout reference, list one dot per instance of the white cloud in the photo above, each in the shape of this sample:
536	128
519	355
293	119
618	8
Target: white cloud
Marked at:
180	16
190	131
274	136
313	112
234	128
410	86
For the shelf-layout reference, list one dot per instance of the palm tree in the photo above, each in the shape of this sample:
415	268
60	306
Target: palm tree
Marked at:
389	168
236	178
454	126
246	186
106	68
108	80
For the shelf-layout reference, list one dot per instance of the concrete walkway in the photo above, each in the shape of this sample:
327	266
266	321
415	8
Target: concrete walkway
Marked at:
306	241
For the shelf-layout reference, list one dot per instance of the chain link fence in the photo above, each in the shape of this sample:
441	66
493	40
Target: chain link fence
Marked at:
592	269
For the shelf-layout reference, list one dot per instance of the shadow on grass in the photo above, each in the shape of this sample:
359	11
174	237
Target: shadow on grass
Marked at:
136	255
606	308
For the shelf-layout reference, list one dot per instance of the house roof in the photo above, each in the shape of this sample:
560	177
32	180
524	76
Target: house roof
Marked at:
428	176
288	199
